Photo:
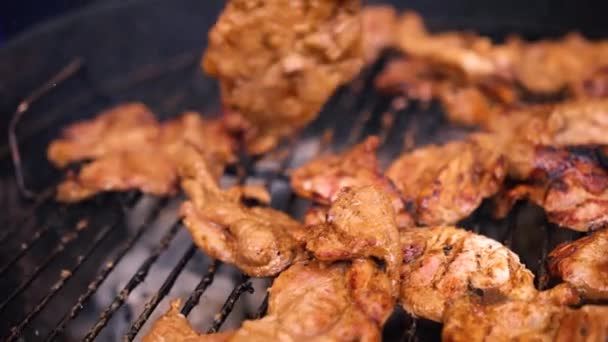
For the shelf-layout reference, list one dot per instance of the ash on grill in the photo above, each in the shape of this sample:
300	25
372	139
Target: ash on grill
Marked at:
106	268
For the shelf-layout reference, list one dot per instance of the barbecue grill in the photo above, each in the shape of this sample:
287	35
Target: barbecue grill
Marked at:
56	259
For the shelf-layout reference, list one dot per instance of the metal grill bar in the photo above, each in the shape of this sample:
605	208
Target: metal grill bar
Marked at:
25	247
195	296
137	279
63	243
244	286
64	277
160	294
105	271
68	71
26	217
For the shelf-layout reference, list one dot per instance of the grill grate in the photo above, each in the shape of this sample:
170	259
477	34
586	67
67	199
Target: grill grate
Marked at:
345	120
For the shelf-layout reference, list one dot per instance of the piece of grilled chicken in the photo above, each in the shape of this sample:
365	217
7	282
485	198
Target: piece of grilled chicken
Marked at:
129	149
278	61
322	179
444	184
443	264
583	263
572	188
359	224
518	320
260	241
310	301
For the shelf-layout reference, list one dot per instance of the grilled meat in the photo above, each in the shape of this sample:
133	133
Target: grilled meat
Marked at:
260	241
572	189
116	129
549	66
359	224
174	327
447	183
129	149
144	170
583	264
594	86
378	26
308	301
443	264
279	60
466	55
414	77
524	321
322	179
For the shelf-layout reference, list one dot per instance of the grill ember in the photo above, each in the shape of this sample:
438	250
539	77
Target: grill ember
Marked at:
114	261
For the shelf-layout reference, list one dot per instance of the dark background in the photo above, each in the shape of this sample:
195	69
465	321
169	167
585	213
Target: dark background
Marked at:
19	15
556	16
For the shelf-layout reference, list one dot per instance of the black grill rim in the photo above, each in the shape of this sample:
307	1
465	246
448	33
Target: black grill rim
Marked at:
366	117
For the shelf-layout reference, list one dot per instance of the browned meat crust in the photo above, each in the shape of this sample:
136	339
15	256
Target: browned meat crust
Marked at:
129	149
174	327
313	302
572	189
524	321
359	224
378	26
279	60
259	241
323	178
447	183
476	79
583	264
443	264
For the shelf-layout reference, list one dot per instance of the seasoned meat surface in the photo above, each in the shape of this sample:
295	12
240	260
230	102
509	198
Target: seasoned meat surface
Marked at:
524	321
583	263
572	189
447	183
115	129
259	241
467	55
278	61
174	327
322	179
550	66
378	26
310	301
359	224
129	149
443	264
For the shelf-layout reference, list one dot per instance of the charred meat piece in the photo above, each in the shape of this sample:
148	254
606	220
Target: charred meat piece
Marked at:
524	321
359	224
322	179
447	183
278	61
572	189
128	149
259	241
443	264
311	302
583	264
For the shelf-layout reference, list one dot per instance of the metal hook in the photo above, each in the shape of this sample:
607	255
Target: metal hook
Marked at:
68	71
